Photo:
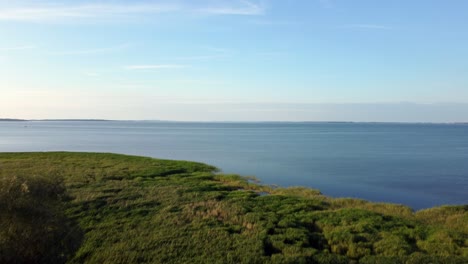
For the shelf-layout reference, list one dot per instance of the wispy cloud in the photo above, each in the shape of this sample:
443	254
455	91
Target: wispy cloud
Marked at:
242	8
91	74
367	26
93	51
25	47
326	3
40	12
209	53
154	66
275	22
273	54
51	12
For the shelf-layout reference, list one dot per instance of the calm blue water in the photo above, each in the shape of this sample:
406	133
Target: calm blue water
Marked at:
421	165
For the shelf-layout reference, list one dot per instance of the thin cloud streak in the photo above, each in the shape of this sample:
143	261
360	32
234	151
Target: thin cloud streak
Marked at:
201	57
212	53
367	26
92	74
274	22
60	12
326	3
154	67
246	8
54	12
92	51
18	48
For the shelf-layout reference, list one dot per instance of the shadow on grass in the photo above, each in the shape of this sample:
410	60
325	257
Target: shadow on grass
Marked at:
34	226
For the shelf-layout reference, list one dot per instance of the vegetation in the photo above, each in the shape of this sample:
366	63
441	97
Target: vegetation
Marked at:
10	119
107	208
34	226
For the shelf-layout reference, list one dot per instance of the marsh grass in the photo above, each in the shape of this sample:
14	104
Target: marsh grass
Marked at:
143	210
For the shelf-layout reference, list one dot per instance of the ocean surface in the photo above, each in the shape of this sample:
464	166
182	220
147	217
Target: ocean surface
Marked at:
420	165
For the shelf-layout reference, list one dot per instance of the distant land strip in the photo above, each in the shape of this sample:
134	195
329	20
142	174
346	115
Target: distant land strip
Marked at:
11	119
228	122
19	120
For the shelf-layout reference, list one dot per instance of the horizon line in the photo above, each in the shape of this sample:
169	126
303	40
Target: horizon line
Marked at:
214	121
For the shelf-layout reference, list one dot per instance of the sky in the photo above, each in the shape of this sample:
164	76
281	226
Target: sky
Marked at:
237	60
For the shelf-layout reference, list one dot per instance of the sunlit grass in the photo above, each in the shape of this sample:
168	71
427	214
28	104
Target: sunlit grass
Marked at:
143	210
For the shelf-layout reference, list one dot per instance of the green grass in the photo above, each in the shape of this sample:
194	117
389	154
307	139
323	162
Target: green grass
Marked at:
108	208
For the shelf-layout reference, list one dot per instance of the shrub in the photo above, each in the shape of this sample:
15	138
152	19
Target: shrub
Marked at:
34	228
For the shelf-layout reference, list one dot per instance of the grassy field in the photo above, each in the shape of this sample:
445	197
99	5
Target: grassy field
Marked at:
108	208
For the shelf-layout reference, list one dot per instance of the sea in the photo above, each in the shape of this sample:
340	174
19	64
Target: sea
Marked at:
419	165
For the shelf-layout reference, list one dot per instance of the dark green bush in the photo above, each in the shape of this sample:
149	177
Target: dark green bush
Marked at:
34	228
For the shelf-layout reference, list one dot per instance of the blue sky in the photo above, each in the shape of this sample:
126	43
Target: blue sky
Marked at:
235	60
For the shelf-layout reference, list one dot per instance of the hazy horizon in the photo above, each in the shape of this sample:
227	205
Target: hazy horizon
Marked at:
413	113
257	60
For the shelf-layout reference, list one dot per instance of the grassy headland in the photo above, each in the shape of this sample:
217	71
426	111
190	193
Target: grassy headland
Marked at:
108	208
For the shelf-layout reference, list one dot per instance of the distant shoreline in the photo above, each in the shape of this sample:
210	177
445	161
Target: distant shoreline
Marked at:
11	120
232	122
49	120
